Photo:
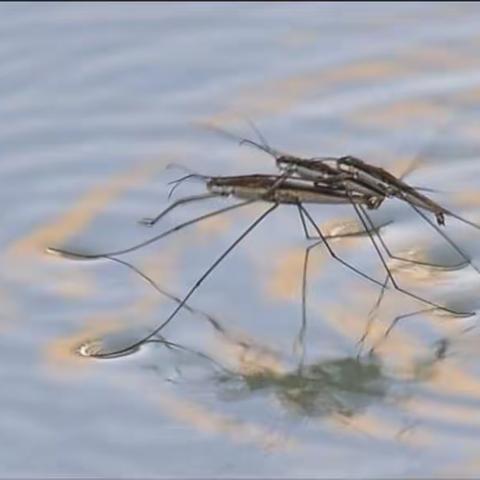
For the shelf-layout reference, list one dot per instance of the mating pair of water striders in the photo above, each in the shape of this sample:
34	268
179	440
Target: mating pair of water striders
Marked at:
319	180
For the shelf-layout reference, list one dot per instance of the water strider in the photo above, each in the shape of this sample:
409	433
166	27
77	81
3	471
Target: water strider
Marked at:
355	175
351	174
253	188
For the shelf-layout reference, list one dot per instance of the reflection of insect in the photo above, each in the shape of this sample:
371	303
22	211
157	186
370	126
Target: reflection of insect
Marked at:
342	386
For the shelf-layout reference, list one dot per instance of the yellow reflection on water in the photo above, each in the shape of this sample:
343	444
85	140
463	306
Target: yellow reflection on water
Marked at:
350	320
61	357
455	380
211	422
213	226
247	355
282	94
467	198
84	211
443	412
285	281
201	418
401	113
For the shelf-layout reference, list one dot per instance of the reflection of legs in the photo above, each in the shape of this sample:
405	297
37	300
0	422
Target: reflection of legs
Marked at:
371	316
212	320
359	210
395	321
332	253
176	346
303	213
218	327
358	233
408	260
447	238
377	304
152	221
300	340
197	284
86	256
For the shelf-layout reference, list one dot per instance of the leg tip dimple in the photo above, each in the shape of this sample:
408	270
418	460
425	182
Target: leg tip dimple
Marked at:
148	222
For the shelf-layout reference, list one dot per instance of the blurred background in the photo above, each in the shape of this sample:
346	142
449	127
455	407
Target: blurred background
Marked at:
96	100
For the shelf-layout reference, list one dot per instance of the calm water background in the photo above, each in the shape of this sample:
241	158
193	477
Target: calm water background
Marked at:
96	99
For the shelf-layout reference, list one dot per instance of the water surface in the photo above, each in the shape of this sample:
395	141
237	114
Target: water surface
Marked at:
97	99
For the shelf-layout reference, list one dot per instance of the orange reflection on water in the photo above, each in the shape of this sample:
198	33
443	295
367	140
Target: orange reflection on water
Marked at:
213	226
246	355
467	198
61	356
350	319
401	113
285	281
282	94
438	412
84	211
455	380
238	431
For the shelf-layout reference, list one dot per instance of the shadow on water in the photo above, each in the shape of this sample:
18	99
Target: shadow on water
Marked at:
344	386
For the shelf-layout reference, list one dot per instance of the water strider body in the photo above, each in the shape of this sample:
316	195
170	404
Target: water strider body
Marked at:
354	174
392	186
285	190
274	189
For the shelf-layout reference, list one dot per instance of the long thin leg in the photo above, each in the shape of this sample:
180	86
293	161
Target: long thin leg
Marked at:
138	343
358	210
332	252
304	224
212	320
358	233
404	259
380	297
464	220
447	238
94	256
409	260
152	221
300	339
382	291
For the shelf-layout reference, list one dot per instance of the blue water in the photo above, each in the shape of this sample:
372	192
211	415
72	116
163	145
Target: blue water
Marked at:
96	100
